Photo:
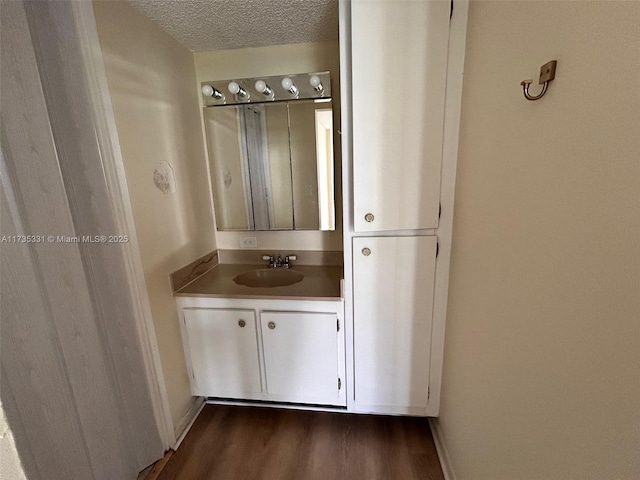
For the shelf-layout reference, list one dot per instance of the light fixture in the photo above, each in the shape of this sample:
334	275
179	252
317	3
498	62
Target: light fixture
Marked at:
209	91
314	81
237	90
263	88
288	85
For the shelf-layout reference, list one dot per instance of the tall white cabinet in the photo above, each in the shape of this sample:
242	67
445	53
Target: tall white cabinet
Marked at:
399	68
403	62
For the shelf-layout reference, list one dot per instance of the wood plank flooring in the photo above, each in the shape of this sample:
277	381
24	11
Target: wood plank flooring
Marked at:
250	443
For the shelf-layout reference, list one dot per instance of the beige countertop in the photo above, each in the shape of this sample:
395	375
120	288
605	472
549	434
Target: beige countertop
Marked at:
319	283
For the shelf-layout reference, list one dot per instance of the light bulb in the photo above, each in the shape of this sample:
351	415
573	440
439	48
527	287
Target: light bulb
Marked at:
209	91
236	89
262	87
314	81
288	85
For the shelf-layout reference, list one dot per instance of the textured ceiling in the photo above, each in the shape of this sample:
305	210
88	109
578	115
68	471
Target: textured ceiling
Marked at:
224	24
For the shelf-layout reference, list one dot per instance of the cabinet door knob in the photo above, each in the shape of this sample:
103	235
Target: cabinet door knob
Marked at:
369	217
366	251
242	323
271	325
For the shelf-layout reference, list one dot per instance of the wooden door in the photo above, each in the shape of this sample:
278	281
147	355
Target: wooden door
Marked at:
223	352
301	356
393	301
399	65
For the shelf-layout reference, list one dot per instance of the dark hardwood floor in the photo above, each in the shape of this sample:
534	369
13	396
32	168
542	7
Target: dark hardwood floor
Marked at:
249	443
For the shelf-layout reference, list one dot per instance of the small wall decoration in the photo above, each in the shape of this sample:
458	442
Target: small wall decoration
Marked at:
164	178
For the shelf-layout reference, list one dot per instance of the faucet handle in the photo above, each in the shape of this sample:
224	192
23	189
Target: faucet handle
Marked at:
291	257
269	258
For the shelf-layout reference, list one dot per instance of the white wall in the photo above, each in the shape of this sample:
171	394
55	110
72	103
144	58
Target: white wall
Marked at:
151	79
542	356
279	60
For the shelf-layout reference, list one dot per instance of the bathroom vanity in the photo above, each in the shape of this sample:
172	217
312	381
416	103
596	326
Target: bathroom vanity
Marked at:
263	342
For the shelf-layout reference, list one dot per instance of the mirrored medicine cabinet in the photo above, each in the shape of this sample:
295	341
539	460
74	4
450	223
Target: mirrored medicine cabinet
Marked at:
271	156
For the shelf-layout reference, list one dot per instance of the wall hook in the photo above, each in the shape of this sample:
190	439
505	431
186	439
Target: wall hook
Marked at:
547	73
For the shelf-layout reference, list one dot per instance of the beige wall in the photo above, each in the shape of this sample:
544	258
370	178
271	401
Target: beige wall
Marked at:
278	60
542	357
151	78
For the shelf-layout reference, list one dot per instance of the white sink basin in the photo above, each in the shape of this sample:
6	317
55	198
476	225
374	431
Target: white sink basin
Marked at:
268	278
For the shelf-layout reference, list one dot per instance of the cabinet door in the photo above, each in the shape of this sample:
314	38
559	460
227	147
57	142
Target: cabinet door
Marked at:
223	352
393	299
301	356
399	63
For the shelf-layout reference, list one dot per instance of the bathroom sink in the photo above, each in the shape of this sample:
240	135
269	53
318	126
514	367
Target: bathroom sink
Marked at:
268	278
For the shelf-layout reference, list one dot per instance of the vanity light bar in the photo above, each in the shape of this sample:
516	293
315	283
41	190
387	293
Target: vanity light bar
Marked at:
300	86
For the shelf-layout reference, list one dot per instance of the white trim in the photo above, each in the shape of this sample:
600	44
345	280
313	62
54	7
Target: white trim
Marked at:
285	406
453	105
188	420
441	448
347	200
107	136
391	410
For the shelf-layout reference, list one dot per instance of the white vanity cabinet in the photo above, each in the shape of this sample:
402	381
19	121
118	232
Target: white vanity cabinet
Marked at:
223	349
288	351
399	73
301	356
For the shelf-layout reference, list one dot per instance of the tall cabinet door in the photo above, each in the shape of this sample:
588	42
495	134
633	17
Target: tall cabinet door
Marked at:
301	356
223	348
399	64
393	301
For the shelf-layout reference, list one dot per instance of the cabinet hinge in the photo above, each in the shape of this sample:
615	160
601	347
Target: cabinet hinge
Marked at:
338	322
437	248
339	384
451	11
439	210
428	393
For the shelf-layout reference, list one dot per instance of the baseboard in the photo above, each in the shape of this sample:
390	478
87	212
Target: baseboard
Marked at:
187	421
441	448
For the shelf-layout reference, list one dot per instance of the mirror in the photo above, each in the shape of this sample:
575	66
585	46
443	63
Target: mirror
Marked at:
271	165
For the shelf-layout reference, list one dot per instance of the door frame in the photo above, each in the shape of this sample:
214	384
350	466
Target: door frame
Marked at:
101	108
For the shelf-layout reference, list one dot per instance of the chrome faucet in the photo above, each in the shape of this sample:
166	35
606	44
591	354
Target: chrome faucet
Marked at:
280	263
272	262
286	263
